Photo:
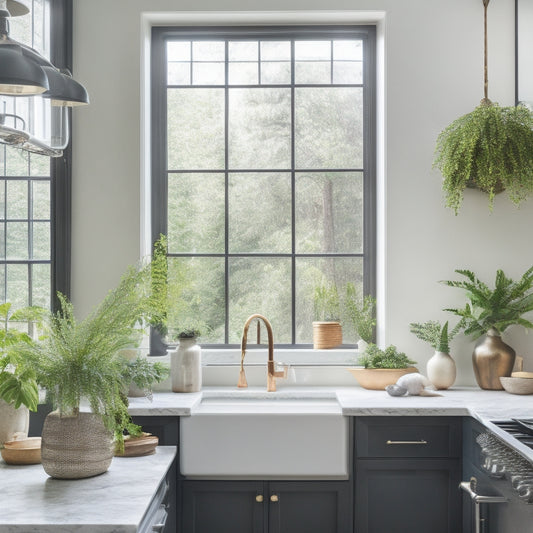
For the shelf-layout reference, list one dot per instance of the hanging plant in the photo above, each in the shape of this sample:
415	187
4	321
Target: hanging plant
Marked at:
490	149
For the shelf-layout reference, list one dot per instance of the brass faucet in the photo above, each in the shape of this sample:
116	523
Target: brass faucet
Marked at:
271	371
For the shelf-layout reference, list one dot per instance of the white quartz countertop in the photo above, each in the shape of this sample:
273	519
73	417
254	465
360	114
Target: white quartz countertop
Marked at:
485	406
114	502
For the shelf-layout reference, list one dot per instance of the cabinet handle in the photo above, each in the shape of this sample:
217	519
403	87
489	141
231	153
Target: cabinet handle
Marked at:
407	442
274	498
259	498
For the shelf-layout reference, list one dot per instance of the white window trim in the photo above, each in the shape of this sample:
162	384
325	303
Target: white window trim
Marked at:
150	19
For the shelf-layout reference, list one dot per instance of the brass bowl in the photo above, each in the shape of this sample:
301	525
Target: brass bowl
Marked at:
379	378
22	452
517	385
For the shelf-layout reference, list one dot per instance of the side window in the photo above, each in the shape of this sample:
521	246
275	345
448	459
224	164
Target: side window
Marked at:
33	197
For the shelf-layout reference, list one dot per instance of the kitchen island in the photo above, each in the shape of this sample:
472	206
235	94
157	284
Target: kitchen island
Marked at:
122	500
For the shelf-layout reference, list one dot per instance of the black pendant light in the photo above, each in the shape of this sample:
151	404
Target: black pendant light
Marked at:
26	73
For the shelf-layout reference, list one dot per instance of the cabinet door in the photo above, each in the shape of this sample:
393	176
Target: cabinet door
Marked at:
164	427
401	495
223	506
309	507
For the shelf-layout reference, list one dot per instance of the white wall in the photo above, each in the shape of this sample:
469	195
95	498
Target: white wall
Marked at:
433	73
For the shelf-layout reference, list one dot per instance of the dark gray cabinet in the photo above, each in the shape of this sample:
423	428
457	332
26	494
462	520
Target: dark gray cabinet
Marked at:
166	428
267	507
407	472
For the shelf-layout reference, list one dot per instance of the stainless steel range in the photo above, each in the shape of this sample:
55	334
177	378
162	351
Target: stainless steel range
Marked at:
499	479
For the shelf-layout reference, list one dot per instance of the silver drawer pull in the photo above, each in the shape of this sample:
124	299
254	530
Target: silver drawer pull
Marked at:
407	442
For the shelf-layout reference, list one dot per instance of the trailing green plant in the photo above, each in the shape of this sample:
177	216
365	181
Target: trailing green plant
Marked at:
490	148
17	380
157	314
326	303
144	373
496	308
78	360
374	357
434	334
361	312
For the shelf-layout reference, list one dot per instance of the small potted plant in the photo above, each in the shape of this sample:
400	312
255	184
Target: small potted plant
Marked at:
327	329
18	388
186	361
382	367
490	312
362	314
441	368
141	374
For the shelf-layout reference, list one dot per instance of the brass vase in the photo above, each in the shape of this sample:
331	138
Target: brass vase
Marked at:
492	359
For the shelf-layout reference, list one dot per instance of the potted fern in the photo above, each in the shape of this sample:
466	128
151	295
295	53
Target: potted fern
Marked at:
490	312
382	367
327	329
362	314
490	149
441	369
78	363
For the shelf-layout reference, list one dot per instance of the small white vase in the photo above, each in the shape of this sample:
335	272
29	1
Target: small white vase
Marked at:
361	345
186	367
441	370
13	422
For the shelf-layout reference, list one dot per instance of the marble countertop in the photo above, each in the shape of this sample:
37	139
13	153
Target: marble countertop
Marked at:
485	406
114	502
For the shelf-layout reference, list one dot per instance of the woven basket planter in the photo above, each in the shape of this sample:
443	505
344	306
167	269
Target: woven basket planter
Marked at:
75	447
326	335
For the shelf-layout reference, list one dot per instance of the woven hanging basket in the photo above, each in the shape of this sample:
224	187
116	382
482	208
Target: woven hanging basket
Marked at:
326	335
75	447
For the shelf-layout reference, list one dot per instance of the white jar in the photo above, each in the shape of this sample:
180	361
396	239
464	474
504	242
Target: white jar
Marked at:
441	370
186	366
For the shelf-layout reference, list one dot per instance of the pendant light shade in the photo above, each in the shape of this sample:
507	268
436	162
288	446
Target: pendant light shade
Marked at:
20	75
17	8
34	94
64	90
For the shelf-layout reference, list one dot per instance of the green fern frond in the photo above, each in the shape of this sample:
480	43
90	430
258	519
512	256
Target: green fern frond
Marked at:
491	149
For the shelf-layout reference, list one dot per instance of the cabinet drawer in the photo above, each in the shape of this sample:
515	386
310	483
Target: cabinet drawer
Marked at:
400	436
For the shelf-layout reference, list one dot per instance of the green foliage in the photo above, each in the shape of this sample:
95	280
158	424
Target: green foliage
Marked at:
496	308
143	373
78	360
434	334
374	357
491	149
158	299
17	379
326	303
361	312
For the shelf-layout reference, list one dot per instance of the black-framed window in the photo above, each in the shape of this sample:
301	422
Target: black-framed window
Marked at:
263	171
35	189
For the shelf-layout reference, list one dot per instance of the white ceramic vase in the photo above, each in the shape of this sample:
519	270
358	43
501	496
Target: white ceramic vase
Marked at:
441	370
13	422
186	366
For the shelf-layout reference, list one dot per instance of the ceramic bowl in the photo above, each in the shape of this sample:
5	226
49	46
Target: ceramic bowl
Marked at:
517	385
22	452
379	378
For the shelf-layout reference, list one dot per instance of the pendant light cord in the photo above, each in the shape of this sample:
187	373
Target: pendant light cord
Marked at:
485	56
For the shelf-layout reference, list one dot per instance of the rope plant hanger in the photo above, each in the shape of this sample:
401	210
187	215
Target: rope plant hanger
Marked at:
490	149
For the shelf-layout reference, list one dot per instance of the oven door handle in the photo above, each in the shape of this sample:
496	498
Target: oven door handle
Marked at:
470	488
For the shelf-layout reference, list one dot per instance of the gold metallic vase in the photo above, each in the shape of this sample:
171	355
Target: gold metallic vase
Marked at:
492	359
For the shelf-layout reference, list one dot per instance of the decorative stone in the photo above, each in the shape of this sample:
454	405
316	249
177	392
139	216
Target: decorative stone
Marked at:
396	390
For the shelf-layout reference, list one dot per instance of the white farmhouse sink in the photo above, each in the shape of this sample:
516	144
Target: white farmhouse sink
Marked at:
265	437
